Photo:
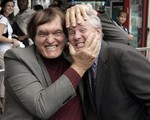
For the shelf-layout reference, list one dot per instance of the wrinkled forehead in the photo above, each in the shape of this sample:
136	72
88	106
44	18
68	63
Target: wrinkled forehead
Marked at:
83	24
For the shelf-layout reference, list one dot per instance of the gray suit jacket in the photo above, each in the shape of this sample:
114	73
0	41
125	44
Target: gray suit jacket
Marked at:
122	85
29	93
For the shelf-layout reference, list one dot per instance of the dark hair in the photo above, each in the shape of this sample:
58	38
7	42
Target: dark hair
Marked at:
37	7
3	4
120	13
42	17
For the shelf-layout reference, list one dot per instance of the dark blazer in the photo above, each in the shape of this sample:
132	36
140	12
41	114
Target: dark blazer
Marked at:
122	85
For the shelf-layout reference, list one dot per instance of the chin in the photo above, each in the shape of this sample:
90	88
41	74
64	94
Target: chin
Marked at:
53	56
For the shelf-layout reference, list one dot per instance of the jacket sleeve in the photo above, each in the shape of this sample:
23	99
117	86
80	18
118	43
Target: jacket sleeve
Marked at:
25	81
112	32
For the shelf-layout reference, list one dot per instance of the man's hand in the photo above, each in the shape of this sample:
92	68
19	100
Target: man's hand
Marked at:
77	13
131	37
85	58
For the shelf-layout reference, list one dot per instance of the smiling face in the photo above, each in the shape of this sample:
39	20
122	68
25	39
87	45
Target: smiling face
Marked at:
22	4
122	18
79	34
50	39
9	8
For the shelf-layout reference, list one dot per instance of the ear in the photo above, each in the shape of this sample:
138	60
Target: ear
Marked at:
99	31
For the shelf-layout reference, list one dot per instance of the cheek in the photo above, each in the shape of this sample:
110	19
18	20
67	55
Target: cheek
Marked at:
85	35
71	39
63	41
38	41
120	19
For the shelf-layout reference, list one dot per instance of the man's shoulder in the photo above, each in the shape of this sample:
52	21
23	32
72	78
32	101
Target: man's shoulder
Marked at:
20	52
29	10
114	47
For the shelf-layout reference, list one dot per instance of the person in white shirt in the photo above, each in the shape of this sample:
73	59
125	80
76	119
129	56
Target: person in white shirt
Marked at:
6	40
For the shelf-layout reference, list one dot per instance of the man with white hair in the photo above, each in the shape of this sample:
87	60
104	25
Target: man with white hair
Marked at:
116	87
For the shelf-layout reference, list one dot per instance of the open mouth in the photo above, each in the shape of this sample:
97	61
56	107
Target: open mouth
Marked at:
51	47
80	45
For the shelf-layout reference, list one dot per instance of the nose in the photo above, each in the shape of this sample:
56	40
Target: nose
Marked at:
50	38
12	7
77	35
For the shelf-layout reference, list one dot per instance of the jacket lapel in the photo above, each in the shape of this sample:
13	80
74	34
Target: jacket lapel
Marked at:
100	79
101	74
43	70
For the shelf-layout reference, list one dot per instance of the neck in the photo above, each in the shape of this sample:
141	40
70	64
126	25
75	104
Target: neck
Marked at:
6	15
21	11
53	61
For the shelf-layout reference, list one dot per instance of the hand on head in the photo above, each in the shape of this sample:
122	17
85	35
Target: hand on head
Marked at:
77	13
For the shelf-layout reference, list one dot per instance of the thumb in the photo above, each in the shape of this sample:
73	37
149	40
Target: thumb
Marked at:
71	49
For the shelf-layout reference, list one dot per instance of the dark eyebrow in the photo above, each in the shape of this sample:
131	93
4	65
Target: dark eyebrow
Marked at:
42	31
70	28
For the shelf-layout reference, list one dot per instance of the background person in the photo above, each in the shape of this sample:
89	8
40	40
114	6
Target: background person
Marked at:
121	19
120	88
37	7
6	40
21	20
5	28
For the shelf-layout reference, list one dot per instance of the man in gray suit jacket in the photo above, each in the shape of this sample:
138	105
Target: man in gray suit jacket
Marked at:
40	82
117	86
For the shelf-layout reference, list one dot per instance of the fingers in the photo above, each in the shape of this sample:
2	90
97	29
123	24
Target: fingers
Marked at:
16	43
81	13
70	18
92	44
78	16
96	45
90	39
75	15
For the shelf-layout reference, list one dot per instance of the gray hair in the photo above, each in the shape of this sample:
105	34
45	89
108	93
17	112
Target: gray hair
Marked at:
94	20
